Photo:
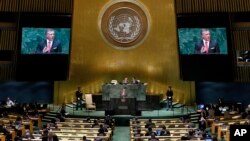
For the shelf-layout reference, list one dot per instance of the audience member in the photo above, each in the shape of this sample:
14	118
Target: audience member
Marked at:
26	117
125	81
164	131
103	128
227	116
153	138
28	134
150	132
96	124
84	138
149	124
202	122
51	137
134	81
4	131
134	120
9	102
138	133
211	112
100	133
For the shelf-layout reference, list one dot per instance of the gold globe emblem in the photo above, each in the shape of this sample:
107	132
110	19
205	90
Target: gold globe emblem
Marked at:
124	25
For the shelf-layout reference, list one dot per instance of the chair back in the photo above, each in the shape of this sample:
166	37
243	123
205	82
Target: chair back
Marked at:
88	99
114	82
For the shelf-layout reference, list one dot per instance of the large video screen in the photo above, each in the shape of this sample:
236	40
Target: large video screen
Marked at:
45	40
202	41
205	48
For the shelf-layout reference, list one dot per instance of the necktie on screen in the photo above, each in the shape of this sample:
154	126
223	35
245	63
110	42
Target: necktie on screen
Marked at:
206	47
49	46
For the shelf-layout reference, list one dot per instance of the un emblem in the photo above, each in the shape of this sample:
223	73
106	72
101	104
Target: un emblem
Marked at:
124	24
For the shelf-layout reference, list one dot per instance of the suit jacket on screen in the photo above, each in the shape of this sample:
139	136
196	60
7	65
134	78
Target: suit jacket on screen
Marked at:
55	48
213	47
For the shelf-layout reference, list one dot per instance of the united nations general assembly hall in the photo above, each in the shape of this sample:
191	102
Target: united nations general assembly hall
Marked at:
124	70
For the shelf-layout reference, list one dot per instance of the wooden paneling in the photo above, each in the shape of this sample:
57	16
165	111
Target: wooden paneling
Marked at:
241	42
52	6
202	6
9	5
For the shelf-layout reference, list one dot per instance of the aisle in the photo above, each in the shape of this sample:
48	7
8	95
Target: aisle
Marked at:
121	133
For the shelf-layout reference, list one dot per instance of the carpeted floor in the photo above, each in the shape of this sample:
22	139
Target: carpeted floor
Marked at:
121	133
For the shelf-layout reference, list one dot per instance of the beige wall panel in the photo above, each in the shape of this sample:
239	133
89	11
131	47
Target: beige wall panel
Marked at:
94	62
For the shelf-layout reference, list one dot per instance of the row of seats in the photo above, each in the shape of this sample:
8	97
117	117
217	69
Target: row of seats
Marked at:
152	129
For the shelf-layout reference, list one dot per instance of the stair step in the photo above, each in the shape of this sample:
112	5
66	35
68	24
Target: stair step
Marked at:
51	114
193	115
46	120
178	105
70	105
195	121
175	103
48	117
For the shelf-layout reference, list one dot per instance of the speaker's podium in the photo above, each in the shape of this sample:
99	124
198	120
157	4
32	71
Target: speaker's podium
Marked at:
118	105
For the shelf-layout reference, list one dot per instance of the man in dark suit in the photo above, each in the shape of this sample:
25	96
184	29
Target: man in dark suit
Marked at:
50	44
79	98
169	95
51	137
206	45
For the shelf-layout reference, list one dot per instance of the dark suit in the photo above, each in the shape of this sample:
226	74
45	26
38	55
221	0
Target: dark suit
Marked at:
169	95
55	48
55	138
213	47
79	100
79	94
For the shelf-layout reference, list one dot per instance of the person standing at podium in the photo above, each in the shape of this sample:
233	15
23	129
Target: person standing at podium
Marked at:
125	81
123	94
79	99
134	81
169	95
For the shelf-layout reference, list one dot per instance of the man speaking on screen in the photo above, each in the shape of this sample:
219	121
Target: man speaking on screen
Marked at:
206	45
50	44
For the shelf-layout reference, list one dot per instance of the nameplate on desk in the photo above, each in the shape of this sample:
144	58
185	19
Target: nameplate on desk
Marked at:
123	107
